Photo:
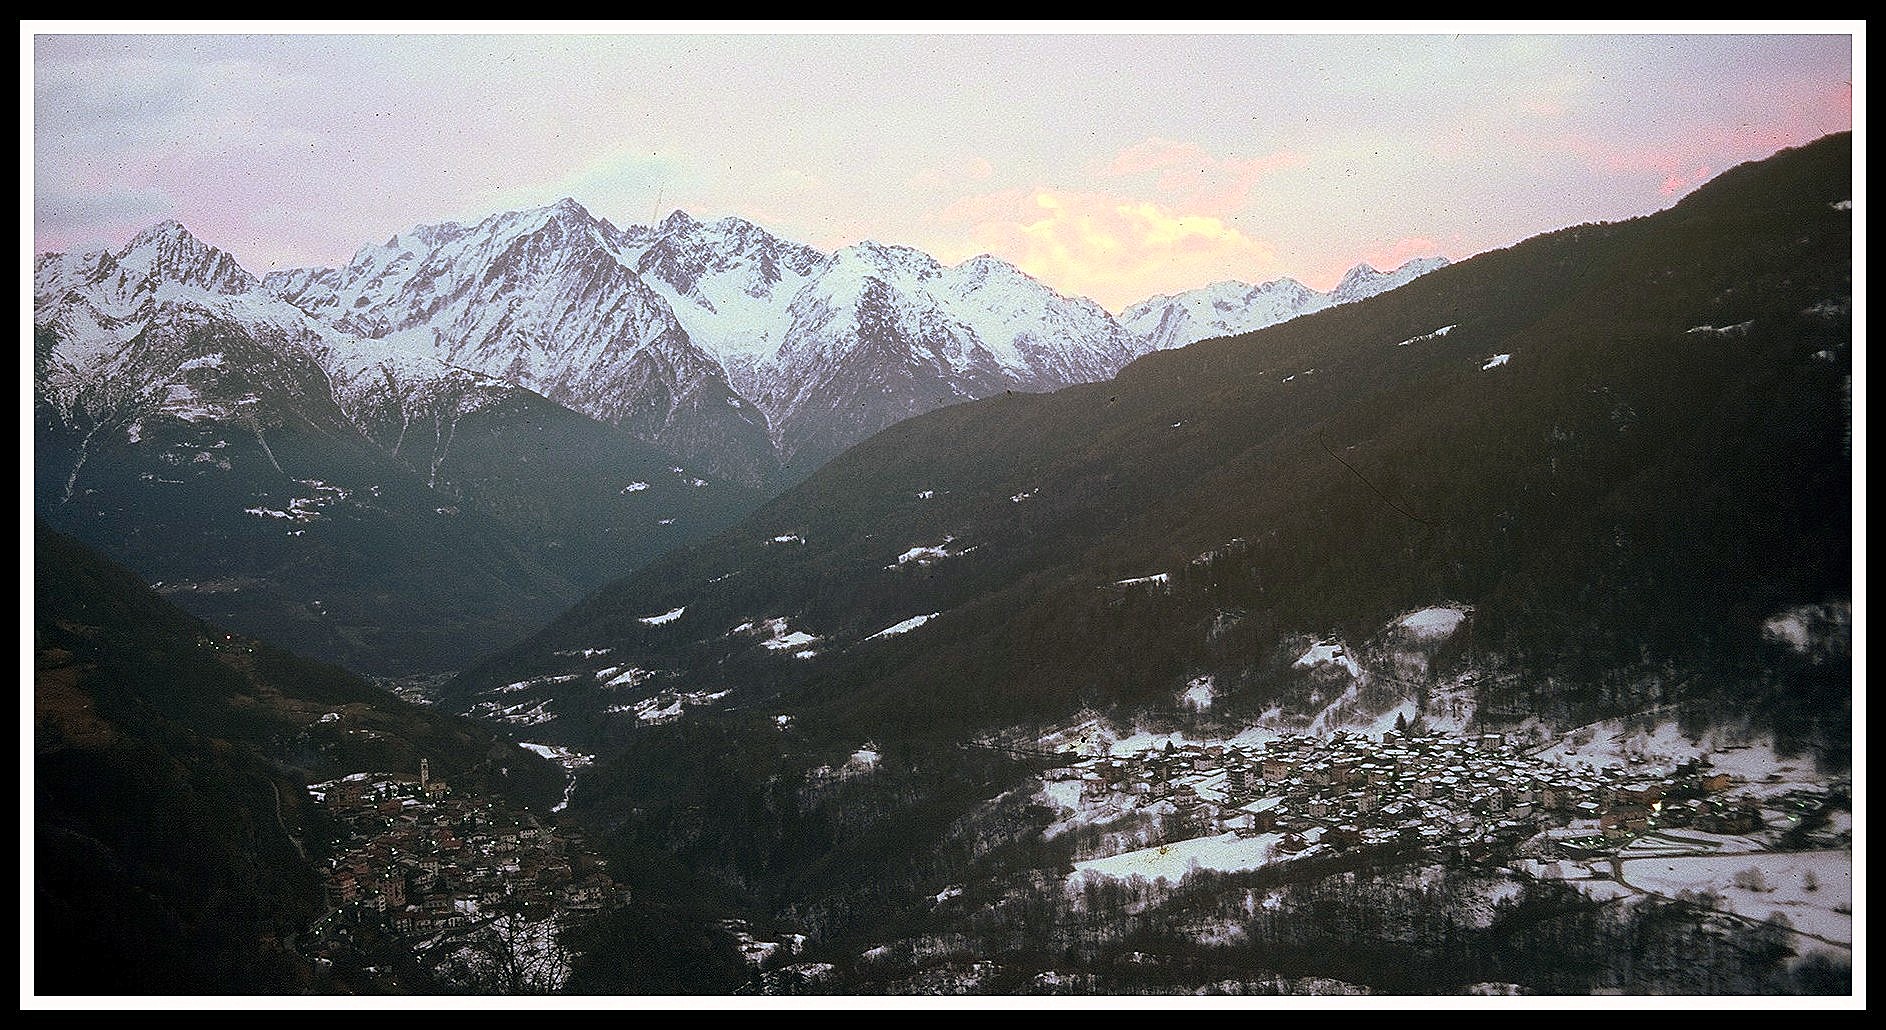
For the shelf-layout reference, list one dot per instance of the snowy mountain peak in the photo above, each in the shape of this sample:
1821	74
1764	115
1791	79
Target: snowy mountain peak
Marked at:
168	253
986	268
737	227
1229	308
885	259
433	235
168	229
1364	281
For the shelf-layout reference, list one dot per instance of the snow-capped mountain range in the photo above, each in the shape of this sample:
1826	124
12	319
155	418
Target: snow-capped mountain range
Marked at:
752	356
1231	307
357	498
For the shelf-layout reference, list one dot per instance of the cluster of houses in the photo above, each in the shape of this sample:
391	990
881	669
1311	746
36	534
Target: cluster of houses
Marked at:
420	857
1431	790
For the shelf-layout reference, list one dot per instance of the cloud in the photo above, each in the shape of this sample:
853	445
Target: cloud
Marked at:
1113	248
1191	177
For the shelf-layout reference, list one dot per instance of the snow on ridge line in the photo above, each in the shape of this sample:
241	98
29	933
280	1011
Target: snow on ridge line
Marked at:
903	627
664	618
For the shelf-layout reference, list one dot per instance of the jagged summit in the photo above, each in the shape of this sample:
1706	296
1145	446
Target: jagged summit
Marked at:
169	252
1364	280
168	229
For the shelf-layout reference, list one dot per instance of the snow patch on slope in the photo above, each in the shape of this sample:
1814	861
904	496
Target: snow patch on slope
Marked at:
664	618
903	627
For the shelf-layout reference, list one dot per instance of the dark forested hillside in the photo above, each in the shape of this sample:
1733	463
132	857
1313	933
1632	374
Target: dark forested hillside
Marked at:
1624	449
174	846
1626	445
398	528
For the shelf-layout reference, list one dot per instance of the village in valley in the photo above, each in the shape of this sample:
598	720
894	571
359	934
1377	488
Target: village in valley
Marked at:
472	889
1441	790
1609	810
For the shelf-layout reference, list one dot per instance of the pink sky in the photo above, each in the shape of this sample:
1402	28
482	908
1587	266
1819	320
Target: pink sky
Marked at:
1113	164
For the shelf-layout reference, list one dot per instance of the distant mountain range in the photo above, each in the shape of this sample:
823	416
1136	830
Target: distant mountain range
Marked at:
1230	308
756	357
533	405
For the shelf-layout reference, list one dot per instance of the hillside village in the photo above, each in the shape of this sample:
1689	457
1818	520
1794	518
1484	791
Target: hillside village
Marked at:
1486	796
435	865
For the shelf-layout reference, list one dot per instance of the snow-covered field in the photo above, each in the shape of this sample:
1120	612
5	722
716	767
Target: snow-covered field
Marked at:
1073	809
1198	693
1329	652
1806	887
1687	841
619	676
535	681
1432	623
1226	853
666	706
776	635
1609	745
528	713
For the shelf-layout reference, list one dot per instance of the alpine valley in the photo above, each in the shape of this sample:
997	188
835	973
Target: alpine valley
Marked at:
908	628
